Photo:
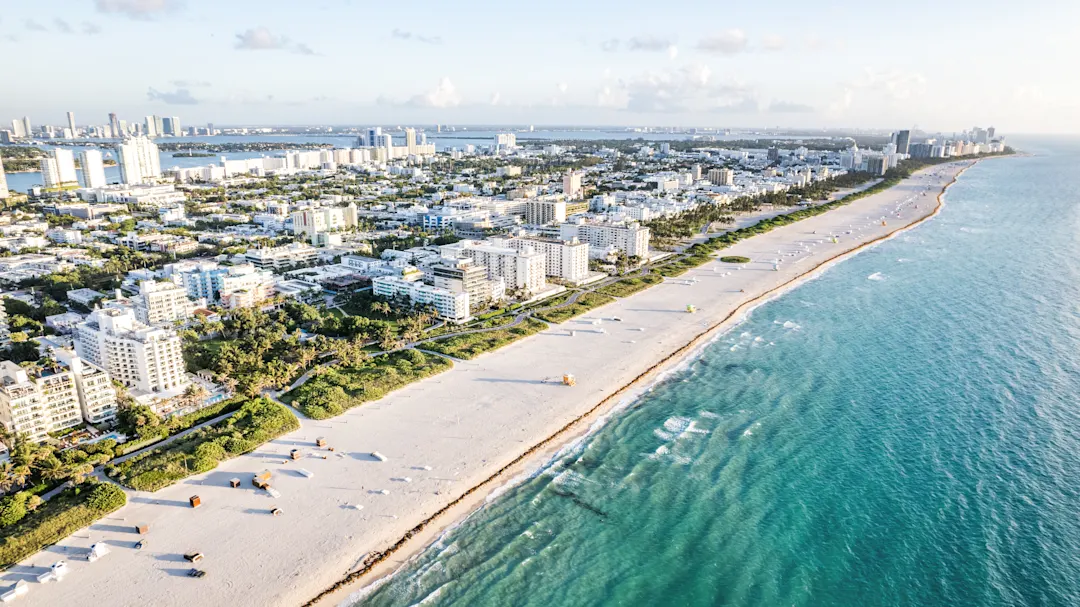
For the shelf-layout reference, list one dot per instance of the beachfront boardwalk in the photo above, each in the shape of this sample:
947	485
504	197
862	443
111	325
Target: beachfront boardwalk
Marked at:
444	435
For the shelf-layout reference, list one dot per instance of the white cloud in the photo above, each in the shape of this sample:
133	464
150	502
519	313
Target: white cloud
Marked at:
773	42
672	52
261	39
406	35
648	43
444	95
562	86
688	89
180	96
727	42
137	9
495	98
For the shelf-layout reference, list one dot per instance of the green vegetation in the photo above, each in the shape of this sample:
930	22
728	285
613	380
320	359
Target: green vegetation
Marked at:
584	303
734	259
37	468
333	390
144	426
56	519
629	286
256	422
475	344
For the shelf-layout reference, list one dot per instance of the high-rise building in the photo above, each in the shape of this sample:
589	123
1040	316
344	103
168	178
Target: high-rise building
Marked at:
170	125
540	212
3	184
18	129
721	176
26	126
114	126
903	142
990	133
151	127
36	401
565	260
410	141
161	304
141	357
603	238
210	129
324	219
71	122
139	161
520	268
93	169
374	137
58	170
572	185
505	140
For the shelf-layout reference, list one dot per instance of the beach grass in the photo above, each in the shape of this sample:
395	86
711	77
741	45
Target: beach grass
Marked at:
584	303
631	285
256	422
58	518
474	344
333	390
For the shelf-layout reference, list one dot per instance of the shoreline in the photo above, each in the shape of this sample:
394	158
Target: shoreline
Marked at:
376	568
451	441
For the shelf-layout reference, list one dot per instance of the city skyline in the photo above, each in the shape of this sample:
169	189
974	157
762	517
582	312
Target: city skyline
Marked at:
800	65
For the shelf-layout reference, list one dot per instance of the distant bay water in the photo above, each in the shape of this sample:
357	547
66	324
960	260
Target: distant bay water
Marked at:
902	431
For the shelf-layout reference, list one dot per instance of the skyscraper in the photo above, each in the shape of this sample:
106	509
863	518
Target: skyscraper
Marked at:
59	169
139	160
374	136
410	141
114	126
71	122
3	181
177	130
93	169
903	141
18	129
151	126
26	126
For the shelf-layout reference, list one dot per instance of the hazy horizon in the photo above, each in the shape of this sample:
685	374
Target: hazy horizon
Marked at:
926	65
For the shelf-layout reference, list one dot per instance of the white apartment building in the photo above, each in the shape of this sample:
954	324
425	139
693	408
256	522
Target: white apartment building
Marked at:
448	304
722	176
139	161
36	402
161	304
58	170
97	397
144	358
604	238
521	269
283	256
93	169
566	260
540	212
572	185
324	219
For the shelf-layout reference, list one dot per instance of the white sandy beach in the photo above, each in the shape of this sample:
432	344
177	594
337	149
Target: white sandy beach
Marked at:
465	425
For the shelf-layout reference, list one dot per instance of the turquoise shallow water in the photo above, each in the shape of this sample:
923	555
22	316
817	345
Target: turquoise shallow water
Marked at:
904	430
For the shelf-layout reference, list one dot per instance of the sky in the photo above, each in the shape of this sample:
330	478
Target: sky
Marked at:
942	65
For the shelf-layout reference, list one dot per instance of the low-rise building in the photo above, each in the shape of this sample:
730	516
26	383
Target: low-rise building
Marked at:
297	253
447	304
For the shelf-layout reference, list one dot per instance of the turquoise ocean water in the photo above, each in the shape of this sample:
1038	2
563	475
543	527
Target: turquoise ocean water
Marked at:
903	430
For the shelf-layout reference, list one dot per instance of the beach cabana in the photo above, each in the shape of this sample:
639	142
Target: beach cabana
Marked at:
97	551
20	588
